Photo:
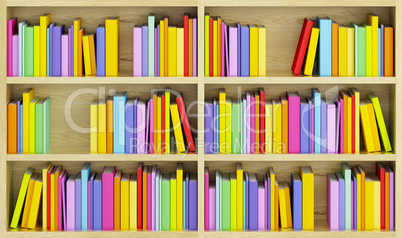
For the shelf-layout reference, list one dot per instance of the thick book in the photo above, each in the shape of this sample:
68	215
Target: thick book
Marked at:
302	46
165	203
119	102
380	122
180	51
137	51
360	50
29	51
307	176
64	55
294	122
347	175
70	191
342	51
193	195
172	51
21	198
208	125
100	51
112	46
244	51
311	52
253	202
253	50
296	194
388	51
12	124
373	123
108	175
35	202
332	202
212	207
133	202
331	128
12	28
342	197
324	44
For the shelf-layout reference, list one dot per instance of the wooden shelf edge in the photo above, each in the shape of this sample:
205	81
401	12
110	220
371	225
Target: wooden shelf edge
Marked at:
104	3
297	3
99	234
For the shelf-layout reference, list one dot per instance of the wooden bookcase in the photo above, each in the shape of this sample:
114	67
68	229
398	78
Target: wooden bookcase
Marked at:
283	19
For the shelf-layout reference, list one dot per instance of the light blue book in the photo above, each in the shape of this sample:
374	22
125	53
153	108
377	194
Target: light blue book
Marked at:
151	44
49	49
78	204
316	95
379	52
218	200
325	47
347	175
85	172
119	115
21	30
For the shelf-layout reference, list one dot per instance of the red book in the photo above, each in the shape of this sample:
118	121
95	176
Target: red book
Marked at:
185	122
211	49
380	171
262	121
163	124
353	122
302	46
139	195
186	45
49	172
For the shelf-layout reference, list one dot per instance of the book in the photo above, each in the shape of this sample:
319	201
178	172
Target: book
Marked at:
29	51
45	182
133	188
282	207
206	201
332	202
172	51
311	52
373	123
186	124
12	122
97	202
276	127
232	69
228	124
145	197
388	51
85	173
302	46
87	55
193	214
288	206
262	52
44	23
369	49
293	100
350	35
380	172
296	201
60	180
254	71
239	196
108	175
64	62
177	128
369	204
78	202
125	196
324	44
70	204
80	66
36	44
27	97
212	207
139	195
253	202
28	200
271	178
391	198
335	48
366	127
12	28
222	121
137	51
342	197
206	40
346	173
94	127
100	50
218	198
130	127
101	127
32	125
180	51
358	176
179	197
165	203
357	117
91	200
307	176
331	128
284	124
233	202
119	101
380	122
56	50
112	46
244	50
373	21
208	125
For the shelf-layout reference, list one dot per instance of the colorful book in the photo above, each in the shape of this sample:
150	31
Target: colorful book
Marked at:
165	203
333	202
112	46
311	52
253	202
302	46
102	127
78	202
284	124
307	177
125	202
388	51
21	198
108	175
97	202
94	127
297	201
119	102
342	197
324	44
244	50
70	204
85	173
380	122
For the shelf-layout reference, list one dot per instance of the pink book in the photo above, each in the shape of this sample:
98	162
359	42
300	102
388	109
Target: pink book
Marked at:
252	125
149	199
153	175
248	112
137	51
151	123
11	29
341	129
222	49
63	194
195	47
69	51
156	52
266	202
108	198
294	122
233	51
261	207
141	121
212	207
60	200
332	202
15	55
71	202
206	202
352	207
331	128
64	55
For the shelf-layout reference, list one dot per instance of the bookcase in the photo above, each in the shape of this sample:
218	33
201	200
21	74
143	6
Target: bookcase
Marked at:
283	20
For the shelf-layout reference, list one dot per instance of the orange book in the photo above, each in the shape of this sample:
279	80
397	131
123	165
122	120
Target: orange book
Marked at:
190	47
257	123
166	48
219	46
388	51
81	33
28	200
144	197
12	127
335	48
56	196
109	125
92	53
276	205
284	124
363	179
117	199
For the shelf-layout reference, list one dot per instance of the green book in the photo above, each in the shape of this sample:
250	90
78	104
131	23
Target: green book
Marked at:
46	126
225	202
236	139
151	43
165	206
21	198
39	124
360	50
380	122
347	175
36	51
29	52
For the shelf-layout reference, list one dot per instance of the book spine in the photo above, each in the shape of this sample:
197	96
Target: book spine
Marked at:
253	206
100	51
186	55
245	51
70	206
195	47
294	124
107	201
324	44
193	214
233	52
64	55
78	204
151	43
15	57
11	29
112	47
261	208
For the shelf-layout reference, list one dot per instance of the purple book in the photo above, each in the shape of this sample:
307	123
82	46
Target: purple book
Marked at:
233	59
144	50
50	46
296	201
382	50
333	202
63	195
129	128
19	126
245	51
97	202
391	197
222	49
195	47
341	181
100	51
157	53
71	202
70	51
209	132
253	202
64	54
354	210
135	142
192	203
238	49
187	197
140	127
304	127
78	202
137	51
146	143
212	207
15	55
226	51
91	201
261	207
57	33
323	126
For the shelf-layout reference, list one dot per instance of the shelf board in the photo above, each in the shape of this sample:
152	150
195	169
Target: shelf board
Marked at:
100	234
298	3
103	3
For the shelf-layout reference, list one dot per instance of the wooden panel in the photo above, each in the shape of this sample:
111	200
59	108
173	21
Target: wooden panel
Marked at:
103	234
103	3
286	77
294	3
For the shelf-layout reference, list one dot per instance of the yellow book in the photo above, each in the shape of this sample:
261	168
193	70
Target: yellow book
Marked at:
271	174
351	51
377	201
312	49
369	49
21	198
179	196
159	124
172	51
358	176
178	133
256	123
32	113
180	52
28	201
92	54
373	123
239	196
87	55
44	195
102	127
111	46
206	48
268	127
173	202
77	27
125	202
276	205
166	46
53	182
262	51
282	207
215	48
357	119
233	202
228	124
94	127
307	177
373	21
44	23
343	51
366	127
369	204
133	202
380	122
144	197
36	195
254	72
167	121
27	97
222	121
276	127
288	206
117	199
162	47
37	52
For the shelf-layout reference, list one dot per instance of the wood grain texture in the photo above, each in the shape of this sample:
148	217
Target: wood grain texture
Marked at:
298	3
101	234
103	3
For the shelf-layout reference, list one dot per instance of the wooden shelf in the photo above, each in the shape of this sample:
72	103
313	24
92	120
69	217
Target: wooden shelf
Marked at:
100	234
297	3
103	3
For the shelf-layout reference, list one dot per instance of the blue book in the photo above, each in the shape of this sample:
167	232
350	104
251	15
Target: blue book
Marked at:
341	201
325	47
144	51
55	55
268	201
78	203
134	146
253	202
245	51
246	199
151	48
208	126
85	172
98	202
316	95
91	201
304	127
129	128
297	202
187	193
238	48
323	126
354	201
119	116
244	202
72	52
100	51
192	200
217	200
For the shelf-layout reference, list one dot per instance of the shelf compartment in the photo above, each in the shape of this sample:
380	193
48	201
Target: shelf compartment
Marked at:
101	234
297	3
104	3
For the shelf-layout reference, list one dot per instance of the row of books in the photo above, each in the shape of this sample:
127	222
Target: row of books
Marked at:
351	50
253	125
28	124
237	201
360	201
165	50
121	125
111	200
48	49
232	51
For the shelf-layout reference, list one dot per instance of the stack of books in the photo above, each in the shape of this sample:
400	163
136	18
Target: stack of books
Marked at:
234	51
253	125
28	124
237	201
165	51
48	49
351	50
360	201
110	200
121	125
